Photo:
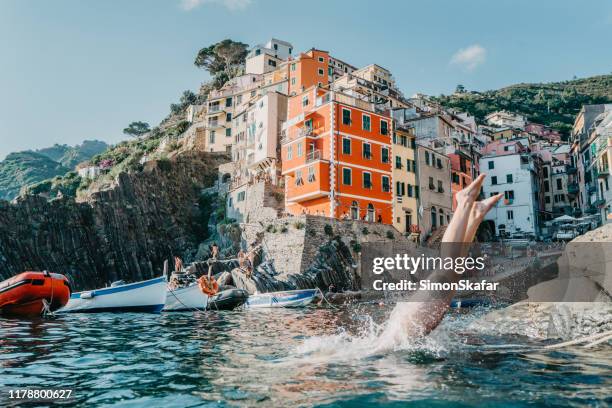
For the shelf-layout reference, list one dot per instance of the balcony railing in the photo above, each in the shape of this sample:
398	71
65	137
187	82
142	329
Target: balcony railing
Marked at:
313	155
603	172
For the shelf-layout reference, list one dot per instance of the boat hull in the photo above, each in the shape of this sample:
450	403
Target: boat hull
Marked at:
290	298
141	297
26	294
228	299
185	299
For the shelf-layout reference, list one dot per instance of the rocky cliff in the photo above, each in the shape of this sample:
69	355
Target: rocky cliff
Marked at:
124	231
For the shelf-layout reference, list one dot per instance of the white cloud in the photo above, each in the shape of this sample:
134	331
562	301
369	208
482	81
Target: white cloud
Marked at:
232	5
469	58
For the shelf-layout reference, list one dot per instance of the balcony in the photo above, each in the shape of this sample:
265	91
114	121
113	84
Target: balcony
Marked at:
573	188
603	172
313	155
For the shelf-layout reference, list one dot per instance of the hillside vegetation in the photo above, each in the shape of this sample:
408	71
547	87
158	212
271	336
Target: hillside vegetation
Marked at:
554	104
30	167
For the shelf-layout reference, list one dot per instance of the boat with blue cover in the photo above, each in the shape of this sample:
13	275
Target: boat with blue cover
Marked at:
288	298
147	296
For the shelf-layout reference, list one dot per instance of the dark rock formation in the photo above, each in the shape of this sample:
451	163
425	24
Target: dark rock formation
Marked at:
124	232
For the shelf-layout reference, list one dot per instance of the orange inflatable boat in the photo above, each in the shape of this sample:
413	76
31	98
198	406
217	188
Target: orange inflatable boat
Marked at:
32	293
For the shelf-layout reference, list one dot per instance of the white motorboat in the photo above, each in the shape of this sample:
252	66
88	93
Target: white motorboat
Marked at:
147	296
288	298
186	298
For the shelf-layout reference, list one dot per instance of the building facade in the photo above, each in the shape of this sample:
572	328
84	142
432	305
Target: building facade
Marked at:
406	189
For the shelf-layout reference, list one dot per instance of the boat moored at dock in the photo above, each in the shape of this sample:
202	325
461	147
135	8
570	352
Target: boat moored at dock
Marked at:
146	296
289	298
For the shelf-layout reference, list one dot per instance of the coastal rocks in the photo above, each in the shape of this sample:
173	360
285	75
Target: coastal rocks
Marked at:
123	232
576	303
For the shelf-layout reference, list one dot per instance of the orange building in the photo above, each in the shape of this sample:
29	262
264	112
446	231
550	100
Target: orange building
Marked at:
336	151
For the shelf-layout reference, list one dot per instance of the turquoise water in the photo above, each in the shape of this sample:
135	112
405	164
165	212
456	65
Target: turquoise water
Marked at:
308	357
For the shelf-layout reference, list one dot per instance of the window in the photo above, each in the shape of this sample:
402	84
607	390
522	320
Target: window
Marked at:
491	165
559	184
413	143
427	158
305	101
347	176
545	171
321	59
385	184
238	99
509	194
510	214
400	188
547	199
289	152
416	191
367	151
293	68
321	72
384	155
211	137
230	202
440	188
241	196
493	180
311	174
355	210
398	162
308	124
272	63
228	132
346	117
228	117
431	184
346	146
293	81
546	186
508	178
298	178
367	180
228	103
384	128
365	122
455	178
439	163
410	190
299	150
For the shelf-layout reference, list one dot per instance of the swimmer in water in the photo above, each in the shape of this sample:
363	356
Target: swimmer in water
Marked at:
426	310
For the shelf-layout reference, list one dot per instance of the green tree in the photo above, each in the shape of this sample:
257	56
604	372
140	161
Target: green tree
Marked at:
222	60
137	129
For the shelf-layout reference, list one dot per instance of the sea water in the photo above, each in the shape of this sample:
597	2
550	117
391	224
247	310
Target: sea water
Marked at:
292	357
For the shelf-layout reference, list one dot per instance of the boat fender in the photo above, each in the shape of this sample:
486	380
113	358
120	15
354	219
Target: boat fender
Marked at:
208	287
87	295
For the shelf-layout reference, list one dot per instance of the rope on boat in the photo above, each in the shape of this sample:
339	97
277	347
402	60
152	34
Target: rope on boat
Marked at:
46	308
325	299
194	309
591	341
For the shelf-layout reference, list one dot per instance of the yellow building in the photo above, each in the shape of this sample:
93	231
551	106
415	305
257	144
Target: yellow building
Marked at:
405	186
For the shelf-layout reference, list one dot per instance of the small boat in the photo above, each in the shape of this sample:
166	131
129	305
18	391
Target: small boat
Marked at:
33	293
147	296
288	298
185	298
228	299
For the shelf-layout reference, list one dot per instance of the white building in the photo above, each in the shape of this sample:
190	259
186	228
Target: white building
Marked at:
512	173
504	118
267	57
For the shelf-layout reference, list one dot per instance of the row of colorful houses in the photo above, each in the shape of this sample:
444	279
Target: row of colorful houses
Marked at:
344	142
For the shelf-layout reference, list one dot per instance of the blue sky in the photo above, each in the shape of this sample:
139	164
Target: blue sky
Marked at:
73	69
